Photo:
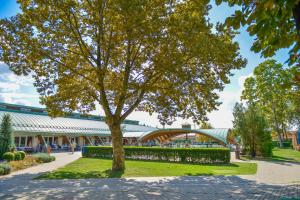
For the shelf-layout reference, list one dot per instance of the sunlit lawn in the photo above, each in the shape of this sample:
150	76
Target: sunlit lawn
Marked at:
286	155
100	168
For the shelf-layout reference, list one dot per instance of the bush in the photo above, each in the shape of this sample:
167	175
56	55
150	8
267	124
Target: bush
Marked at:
285	144
23	154
5	168
43	157
18	156
8	156
191	155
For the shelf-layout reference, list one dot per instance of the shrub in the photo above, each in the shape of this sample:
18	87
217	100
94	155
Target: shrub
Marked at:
5	168
23	154
23	164
18	156
285	144
191	155
8	156
43	157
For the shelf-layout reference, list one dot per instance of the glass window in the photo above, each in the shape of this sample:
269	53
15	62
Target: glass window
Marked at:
17	139
23	139
29	141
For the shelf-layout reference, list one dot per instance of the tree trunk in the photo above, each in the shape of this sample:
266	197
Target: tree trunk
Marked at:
277	126
118	150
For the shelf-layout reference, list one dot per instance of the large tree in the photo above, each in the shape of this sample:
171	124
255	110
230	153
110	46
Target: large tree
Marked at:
148	55
276	25
251	126
270	87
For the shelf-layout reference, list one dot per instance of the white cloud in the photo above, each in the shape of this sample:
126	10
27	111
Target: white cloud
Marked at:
242	80
9	87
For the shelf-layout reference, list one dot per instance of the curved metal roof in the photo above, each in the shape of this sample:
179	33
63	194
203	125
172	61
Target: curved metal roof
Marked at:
32	124
219	134
40	124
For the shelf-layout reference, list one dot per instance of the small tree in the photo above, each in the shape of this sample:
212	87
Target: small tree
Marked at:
6	137
251	126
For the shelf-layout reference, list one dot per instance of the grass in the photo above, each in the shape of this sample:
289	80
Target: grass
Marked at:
101	168
289	155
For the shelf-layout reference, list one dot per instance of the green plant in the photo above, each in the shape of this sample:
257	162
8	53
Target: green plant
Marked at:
192	155
6	138
43	157
23	154
18	156
5	168
8	156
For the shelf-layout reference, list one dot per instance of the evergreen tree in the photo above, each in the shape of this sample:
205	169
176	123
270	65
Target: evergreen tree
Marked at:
6	137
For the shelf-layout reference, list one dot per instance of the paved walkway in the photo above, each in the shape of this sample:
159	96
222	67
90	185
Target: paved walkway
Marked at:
61	160
22	186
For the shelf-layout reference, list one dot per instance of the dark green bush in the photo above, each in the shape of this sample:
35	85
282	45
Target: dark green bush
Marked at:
23	154
285	144
43	157
190	155
5	168
18	156
8	156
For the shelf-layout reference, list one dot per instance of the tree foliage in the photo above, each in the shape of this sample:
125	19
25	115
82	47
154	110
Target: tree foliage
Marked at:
251	126
271	88
275	24
6	137
154	56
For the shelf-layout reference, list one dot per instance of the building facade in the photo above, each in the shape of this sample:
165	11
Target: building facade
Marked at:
33	129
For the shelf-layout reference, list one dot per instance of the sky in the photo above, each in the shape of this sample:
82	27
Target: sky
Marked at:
20	90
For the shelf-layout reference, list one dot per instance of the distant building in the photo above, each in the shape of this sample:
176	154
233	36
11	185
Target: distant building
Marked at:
34	129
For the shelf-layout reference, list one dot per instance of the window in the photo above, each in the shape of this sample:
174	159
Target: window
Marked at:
17	139
29	141
23	141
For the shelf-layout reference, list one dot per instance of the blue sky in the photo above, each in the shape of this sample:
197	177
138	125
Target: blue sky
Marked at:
14	89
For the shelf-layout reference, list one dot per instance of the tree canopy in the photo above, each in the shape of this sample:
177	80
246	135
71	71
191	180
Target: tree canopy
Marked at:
271	88
154	56
250	124
276	25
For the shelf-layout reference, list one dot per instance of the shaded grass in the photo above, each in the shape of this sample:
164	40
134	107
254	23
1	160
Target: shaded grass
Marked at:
101	168
288	155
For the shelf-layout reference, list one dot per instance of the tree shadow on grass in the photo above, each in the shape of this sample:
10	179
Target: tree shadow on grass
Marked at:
175	162
81	175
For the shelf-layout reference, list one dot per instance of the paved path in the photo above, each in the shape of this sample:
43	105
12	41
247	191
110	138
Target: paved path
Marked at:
22	186
61	160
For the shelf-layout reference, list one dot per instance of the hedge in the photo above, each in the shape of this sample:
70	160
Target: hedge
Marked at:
190	155
285	144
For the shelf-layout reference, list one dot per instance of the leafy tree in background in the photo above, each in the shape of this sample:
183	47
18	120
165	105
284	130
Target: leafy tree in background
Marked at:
276	25
206	125
6	137
270	88
251	126
154	56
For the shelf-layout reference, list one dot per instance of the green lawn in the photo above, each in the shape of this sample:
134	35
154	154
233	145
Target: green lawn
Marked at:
286	155
100	168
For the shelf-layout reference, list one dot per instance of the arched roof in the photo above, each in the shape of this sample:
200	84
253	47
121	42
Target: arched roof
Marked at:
218	134
33	124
